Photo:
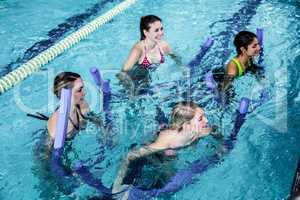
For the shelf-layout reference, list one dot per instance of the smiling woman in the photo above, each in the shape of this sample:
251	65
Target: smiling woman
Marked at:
148	51
79	106
247	47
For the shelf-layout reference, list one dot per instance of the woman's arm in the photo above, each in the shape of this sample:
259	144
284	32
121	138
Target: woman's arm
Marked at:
133	58
160	144
229	76
167	50
131	156
51	125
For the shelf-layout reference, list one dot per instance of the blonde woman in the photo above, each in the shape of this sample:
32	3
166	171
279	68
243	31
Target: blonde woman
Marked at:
188	124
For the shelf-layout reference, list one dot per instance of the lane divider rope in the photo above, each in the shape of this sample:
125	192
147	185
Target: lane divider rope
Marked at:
26	69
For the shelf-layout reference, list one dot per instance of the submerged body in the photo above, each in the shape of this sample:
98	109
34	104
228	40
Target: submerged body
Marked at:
145	55
188	125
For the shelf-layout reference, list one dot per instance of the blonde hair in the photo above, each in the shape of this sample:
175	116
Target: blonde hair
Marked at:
181	113
64	79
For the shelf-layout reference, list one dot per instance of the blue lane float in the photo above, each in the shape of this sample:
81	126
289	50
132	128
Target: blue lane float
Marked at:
62	176
62	120
104	86
89	179
185	176
260	38
182	177
71	24
202	52
58	169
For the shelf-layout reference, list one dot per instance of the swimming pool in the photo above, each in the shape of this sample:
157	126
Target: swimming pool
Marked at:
260	167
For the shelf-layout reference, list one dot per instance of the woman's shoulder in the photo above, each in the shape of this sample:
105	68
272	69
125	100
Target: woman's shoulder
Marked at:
231	67
138	46
167	133
165	47
51	125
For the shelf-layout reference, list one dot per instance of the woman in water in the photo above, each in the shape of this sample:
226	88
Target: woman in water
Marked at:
247	47
79	107
148	52
188	124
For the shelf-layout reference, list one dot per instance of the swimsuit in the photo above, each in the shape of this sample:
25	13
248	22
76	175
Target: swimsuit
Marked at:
78	114
241	71
146	63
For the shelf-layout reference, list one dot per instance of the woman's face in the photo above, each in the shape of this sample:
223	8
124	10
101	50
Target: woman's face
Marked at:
78	91
198	124
156	31
253	48
199	121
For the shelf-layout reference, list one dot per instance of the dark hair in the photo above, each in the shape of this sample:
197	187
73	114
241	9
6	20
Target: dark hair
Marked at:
243	39
62	80
145	23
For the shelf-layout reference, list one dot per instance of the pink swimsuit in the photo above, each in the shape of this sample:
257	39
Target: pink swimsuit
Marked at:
146	63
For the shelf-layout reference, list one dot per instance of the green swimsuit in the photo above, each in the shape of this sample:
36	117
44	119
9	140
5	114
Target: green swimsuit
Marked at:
241	71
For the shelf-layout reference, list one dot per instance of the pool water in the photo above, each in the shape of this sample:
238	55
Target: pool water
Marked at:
261	166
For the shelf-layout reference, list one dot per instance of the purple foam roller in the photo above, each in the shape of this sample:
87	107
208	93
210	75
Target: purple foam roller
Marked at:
96	75
209	80
244	105
209	42
260	36
106	87
62	120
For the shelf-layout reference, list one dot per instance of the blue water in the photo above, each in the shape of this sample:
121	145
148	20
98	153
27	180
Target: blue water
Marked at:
261	166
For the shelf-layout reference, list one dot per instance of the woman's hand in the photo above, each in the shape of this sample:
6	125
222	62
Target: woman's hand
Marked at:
125	80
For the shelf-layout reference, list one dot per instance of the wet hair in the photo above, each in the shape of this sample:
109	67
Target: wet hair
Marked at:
64	79
243	39
182	112
145	23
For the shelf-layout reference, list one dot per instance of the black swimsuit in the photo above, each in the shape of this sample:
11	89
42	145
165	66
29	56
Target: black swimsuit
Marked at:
78	114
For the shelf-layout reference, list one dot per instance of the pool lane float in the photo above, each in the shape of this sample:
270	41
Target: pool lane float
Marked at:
185	176
34	64
56	164
260	37
181	178
104	86
62	176
202	52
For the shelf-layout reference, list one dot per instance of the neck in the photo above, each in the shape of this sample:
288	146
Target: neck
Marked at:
244	59
150	44
73	108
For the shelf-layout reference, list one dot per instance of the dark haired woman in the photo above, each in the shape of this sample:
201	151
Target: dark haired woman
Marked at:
148	52
247	48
